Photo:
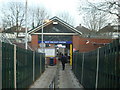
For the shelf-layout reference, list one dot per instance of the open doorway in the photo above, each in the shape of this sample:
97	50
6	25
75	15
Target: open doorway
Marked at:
64	49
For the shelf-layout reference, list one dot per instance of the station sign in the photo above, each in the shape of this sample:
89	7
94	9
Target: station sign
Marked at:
56	42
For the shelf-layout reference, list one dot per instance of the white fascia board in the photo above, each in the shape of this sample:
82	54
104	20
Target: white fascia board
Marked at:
55	33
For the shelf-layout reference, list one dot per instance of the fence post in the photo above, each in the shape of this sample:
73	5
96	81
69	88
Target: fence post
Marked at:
117	62
82	68
40	63
33	66
97	70
15	66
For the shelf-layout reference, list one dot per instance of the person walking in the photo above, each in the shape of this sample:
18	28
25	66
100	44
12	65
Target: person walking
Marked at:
63	61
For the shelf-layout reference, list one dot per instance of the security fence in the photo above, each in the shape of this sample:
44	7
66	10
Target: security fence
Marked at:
20	67
0	66
99	68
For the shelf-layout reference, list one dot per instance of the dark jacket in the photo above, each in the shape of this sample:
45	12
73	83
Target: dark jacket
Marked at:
64	59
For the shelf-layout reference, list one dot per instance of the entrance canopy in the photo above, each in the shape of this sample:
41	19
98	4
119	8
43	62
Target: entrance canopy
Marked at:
55	30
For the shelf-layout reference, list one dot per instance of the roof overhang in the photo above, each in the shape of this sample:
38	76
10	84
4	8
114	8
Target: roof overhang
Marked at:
55	33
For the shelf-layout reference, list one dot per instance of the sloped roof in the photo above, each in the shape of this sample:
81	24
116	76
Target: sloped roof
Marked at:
110	28
22	45
14	29
83	29
55	19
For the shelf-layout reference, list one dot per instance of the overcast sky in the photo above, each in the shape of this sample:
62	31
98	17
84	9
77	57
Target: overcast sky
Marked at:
55	6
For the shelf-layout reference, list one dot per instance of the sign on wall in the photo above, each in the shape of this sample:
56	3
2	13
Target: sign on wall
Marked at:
49	52
57	42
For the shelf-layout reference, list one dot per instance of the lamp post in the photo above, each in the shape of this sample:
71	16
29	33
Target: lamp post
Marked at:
42	43
26	25
42	40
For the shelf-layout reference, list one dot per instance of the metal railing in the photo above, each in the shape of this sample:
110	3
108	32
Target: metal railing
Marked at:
99	68
20	67
55	81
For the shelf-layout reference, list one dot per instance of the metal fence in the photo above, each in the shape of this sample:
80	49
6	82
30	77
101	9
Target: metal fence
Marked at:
55	81
0	65
99	68
20	67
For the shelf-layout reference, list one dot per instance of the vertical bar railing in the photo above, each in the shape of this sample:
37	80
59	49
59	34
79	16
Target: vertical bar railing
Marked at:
54	83
15	66
82	68
99	68
20	67
0	66
33	66
7	65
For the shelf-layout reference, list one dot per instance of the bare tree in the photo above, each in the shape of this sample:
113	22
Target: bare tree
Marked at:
95	20
13	16
98	15
109	6
66	17
38	15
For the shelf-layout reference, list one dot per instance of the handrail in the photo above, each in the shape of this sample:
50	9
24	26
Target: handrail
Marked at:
54	82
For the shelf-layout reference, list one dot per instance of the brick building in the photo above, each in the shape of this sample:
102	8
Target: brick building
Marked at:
88	44
65	32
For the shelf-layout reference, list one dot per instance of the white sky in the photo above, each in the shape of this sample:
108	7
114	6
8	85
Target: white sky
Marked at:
55	6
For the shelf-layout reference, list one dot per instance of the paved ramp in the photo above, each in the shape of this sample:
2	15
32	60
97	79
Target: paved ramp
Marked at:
65	78
46	78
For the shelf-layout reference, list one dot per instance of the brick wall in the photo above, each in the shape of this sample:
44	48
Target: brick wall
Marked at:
88	44
34	42
79	43
76	42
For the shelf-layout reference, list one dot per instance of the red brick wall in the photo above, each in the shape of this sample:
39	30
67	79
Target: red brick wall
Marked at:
76	43
34	42
80	43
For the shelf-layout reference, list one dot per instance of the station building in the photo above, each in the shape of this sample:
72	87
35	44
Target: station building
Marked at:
59	36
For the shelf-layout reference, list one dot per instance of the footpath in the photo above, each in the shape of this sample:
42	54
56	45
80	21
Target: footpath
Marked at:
55	77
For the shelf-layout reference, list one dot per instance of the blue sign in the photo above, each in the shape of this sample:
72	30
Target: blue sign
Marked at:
57	42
